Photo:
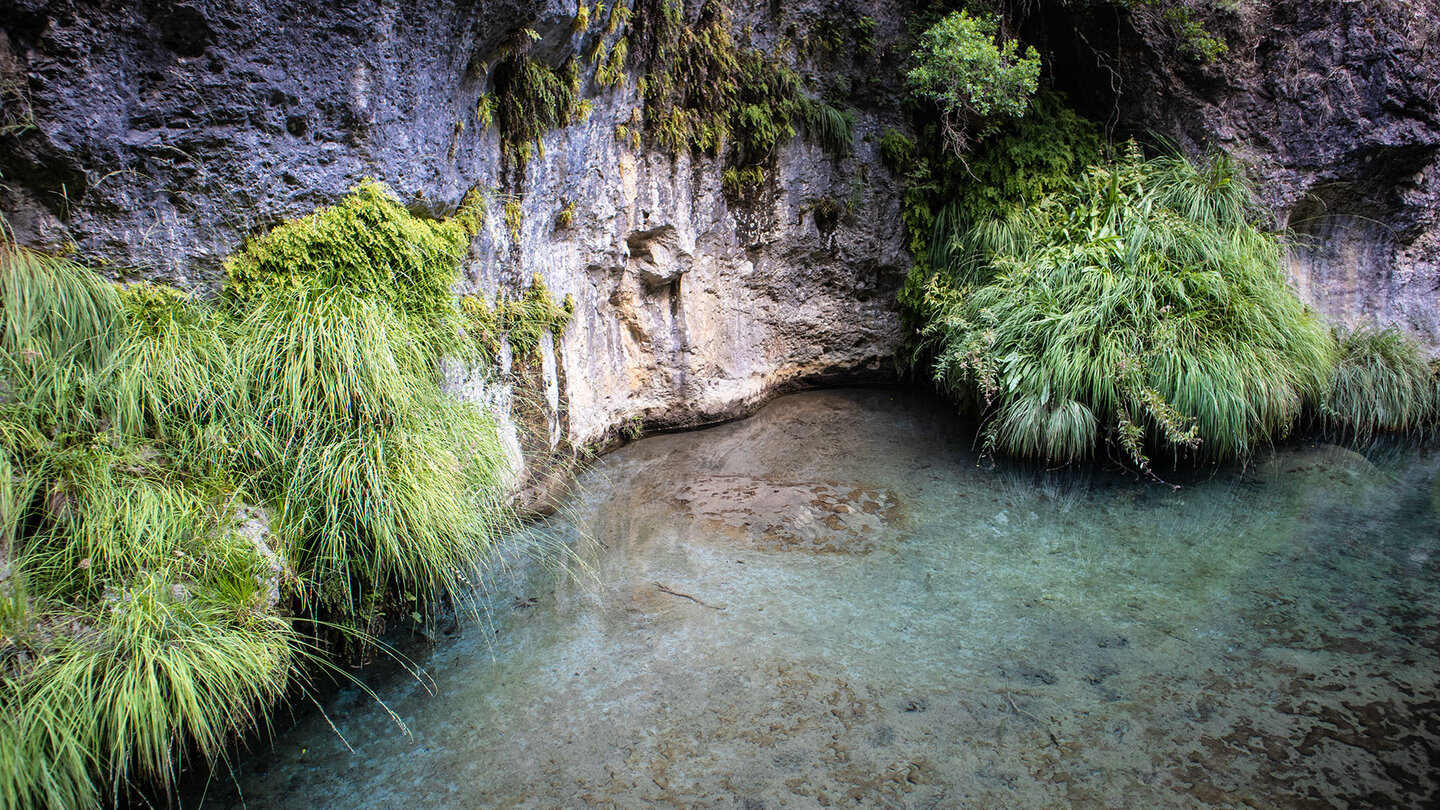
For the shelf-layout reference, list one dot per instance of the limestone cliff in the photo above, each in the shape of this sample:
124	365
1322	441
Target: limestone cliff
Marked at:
164	133
157	135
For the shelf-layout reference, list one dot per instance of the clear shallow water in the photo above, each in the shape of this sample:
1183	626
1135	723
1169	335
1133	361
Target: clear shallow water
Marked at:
834	604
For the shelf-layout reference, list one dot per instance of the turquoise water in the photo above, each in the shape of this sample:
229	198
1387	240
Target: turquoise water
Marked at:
835	603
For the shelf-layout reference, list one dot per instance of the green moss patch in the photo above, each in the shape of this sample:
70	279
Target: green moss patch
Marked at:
367	243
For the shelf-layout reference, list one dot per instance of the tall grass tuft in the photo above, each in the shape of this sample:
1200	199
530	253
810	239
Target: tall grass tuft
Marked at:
1382	383
831	127
330	360
384	485
54	311
408	512
161	665
1138	307
175	369
138	620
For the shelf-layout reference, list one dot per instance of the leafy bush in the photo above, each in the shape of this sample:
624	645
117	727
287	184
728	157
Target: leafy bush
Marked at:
1139	307
1008	172
973	80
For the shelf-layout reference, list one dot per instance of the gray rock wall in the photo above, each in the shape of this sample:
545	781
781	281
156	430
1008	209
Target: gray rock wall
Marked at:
166	132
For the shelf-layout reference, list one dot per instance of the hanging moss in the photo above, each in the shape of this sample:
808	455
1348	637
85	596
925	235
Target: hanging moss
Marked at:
526	318
565	217
522	320
532	98
704	92
514	218
654	27
482	327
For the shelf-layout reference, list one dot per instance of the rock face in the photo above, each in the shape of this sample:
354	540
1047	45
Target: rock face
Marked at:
1336	108
157	135
164	133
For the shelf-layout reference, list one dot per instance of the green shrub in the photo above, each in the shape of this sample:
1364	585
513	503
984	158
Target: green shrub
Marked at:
972	80
1004	175
1138	307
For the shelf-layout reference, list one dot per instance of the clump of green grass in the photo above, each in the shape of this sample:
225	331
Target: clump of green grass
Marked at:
384	484
164	664
1382	383
1138	308
53	311
135	618
330	359
832	127
408	513
176	371
135	421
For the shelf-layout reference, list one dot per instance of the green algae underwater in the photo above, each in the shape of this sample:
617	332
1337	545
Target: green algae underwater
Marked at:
834	603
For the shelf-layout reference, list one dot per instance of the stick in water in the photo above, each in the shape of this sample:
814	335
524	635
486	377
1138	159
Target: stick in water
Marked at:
673	592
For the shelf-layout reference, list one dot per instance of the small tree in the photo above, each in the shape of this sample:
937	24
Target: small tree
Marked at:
974	80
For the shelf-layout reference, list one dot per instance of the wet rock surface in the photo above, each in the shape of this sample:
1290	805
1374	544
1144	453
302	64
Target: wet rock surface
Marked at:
1020	638
819	517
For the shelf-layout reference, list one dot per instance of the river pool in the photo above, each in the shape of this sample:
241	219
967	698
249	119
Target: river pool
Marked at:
837	603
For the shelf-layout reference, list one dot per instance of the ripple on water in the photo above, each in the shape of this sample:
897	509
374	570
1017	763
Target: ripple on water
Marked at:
956	634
